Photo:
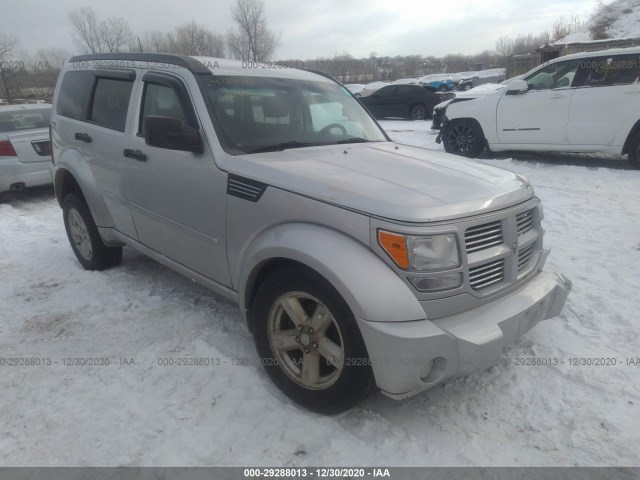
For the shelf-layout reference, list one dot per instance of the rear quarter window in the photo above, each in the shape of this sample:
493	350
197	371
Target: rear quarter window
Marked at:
73	91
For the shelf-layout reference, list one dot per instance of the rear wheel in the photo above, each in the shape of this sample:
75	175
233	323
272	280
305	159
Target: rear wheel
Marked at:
443	88
84	238
418	112
309	342
634	151
464	137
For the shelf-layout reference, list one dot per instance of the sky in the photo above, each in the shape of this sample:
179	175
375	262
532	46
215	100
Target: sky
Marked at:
315	28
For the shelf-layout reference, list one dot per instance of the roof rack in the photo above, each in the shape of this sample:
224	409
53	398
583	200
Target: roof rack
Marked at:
184	61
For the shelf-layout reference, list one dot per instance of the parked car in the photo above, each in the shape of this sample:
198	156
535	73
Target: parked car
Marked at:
442	82
355	260
3	102
472	79
25	154
415	102
355	88
372	87
586	102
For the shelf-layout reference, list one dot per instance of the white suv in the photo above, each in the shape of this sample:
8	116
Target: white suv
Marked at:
587	102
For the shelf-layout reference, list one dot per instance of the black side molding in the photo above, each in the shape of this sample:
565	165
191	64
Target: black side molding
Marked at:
245	188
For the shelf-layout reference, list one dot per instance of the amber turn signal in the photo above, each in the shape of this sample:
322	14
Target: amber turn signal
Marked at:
396	247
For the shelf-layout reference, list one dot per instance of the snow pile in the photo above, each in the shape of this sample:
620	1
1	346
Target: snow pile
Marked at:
619	19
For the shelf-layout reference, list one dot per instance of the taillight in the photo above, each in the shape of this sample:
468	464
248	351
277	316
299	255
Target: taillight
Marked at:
6	149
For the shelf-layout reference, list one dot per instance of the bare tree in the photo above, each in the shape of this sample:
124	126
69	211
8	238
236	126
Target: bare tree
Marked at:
92	35
115	33
565	26
10	65
47	64
253	40
193	39
86	30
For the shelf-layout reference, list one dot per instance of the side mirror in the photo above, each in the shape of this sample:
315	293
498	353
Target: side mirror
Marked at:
171	133
516	87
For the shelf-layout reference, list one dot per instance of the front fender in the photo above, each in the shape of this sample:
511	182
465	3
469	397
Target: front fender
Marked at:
72	162
371	289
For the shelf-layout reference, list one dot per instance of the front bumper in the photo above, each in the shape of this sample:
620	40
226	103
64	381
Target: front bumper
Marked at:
409	357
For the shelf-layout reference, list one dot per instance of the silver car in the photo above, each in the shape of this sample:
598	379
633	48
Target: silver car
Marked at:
25	153
356	261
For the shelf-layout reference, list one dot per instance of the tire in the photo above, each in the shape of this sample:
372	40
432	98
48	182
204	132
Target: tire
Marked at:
331	387
634	151
418	112
467	86
84	238
443	88
464	137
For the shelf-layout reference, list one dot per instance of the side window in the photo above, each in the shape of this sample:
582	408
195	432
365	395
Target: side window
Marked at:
386	91
405	90
609	71
110	103
556	75
72	94
160	100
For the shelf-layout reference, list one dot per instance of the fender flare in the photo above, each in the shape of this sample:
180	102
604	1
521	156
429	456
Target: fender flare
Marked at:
373	291
71	162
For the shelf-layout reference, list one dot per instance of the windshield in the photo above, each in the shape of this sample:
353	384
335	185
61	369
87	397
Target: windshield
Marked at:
258	114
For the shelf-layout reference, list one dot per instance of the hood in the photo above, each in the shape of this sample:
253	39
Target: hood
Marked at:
388	180
479	91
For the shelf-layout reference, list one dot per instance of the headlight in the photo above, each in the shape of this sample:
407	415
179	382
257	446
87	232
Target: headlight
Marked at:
421	253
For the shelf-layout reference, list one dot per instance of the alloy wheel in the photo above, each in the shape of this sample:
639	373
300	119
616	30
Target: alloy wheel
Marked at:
80	234
306	340
460	139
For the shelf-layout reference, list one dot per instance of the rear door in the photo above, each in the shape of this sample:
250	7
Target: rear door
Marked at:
539	116
607	98
177	198
102	137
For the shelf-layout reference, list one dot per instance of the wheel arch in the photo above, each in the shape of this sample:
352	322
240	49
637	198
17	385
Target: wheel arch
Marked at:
632	133
369	287
72	174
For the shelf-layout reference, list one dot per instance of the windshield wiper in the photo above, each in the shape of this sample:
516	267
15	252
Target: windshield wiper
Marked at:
282	146
354	140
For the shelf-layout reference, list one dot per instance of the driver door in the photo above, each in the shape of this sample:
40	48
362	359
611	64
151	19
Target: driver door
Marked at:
540	115
177	197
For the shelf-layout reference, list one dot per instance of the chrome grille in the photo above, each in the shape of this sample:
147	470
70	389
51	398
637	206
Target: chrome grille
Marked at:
524	222
483	236
524	256
487	274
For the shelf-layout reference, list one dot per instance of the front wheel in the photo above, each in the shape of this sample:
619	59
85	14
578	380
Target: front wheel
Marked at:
464	137
634	151
309	342
84	237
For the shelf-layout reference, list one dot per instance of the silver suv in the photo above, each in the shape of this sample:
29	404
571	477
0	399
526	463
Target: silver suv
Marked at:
355	260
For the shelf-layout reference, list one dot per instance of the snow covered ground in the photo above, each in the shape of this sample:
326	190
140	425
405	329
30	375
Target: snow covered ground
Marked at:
231	414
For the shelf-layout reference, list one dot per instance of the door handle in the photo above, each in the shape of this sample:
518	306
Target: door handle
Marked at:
83	137
137	154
